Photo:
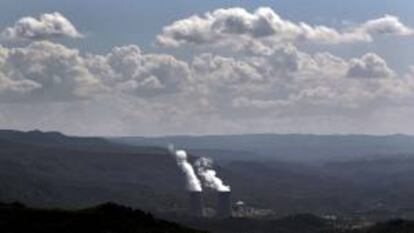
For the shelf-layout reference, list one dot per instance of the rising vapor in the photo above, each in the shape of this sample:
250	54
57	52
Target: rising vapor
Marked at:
208	175
193	183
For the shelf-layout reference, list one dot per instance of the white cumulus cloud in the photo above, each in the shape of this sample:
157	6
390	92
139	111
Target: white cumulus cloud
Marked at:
46	71
222	26
369	66
47	26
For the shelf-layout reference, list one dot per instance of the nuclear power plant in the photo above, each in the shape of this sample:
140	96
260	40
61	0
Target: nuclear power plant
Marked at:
223	204
209	179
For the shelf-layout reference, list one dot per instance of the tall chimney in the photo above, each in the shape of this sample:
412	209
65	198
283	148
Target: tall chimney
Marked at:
196	204
223	205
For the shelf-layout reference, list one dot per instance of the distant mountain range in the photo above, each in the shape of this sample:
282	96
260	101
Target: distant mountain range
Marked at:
289	147
58	140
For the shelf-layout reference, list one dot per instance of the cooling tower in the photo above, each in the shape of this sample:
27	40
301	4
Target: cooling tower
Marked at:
223	205
196	204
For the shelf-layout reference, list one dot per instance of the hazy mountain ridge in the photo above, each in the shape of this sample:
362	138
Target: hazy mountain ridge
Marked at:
290	147
57	139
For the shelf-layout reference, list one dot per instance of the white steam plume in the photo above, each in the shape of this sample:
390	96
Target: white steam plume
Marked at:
205	170
193	183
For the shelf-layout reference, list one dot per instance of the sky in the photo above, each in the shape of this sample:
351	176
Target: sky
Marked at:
150	68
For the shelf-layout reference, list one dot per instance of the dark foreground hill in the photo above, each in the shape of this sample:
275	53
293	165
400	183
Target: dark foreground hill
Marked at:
106	218
393	226
113	218
303	223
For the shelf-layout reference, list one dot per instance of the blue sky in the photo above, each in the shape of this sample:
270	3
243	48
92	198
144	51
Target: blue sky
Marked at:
263	103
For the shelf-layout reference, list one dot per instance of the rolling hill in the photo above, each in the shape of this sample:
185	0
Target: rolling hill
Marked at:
54	170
